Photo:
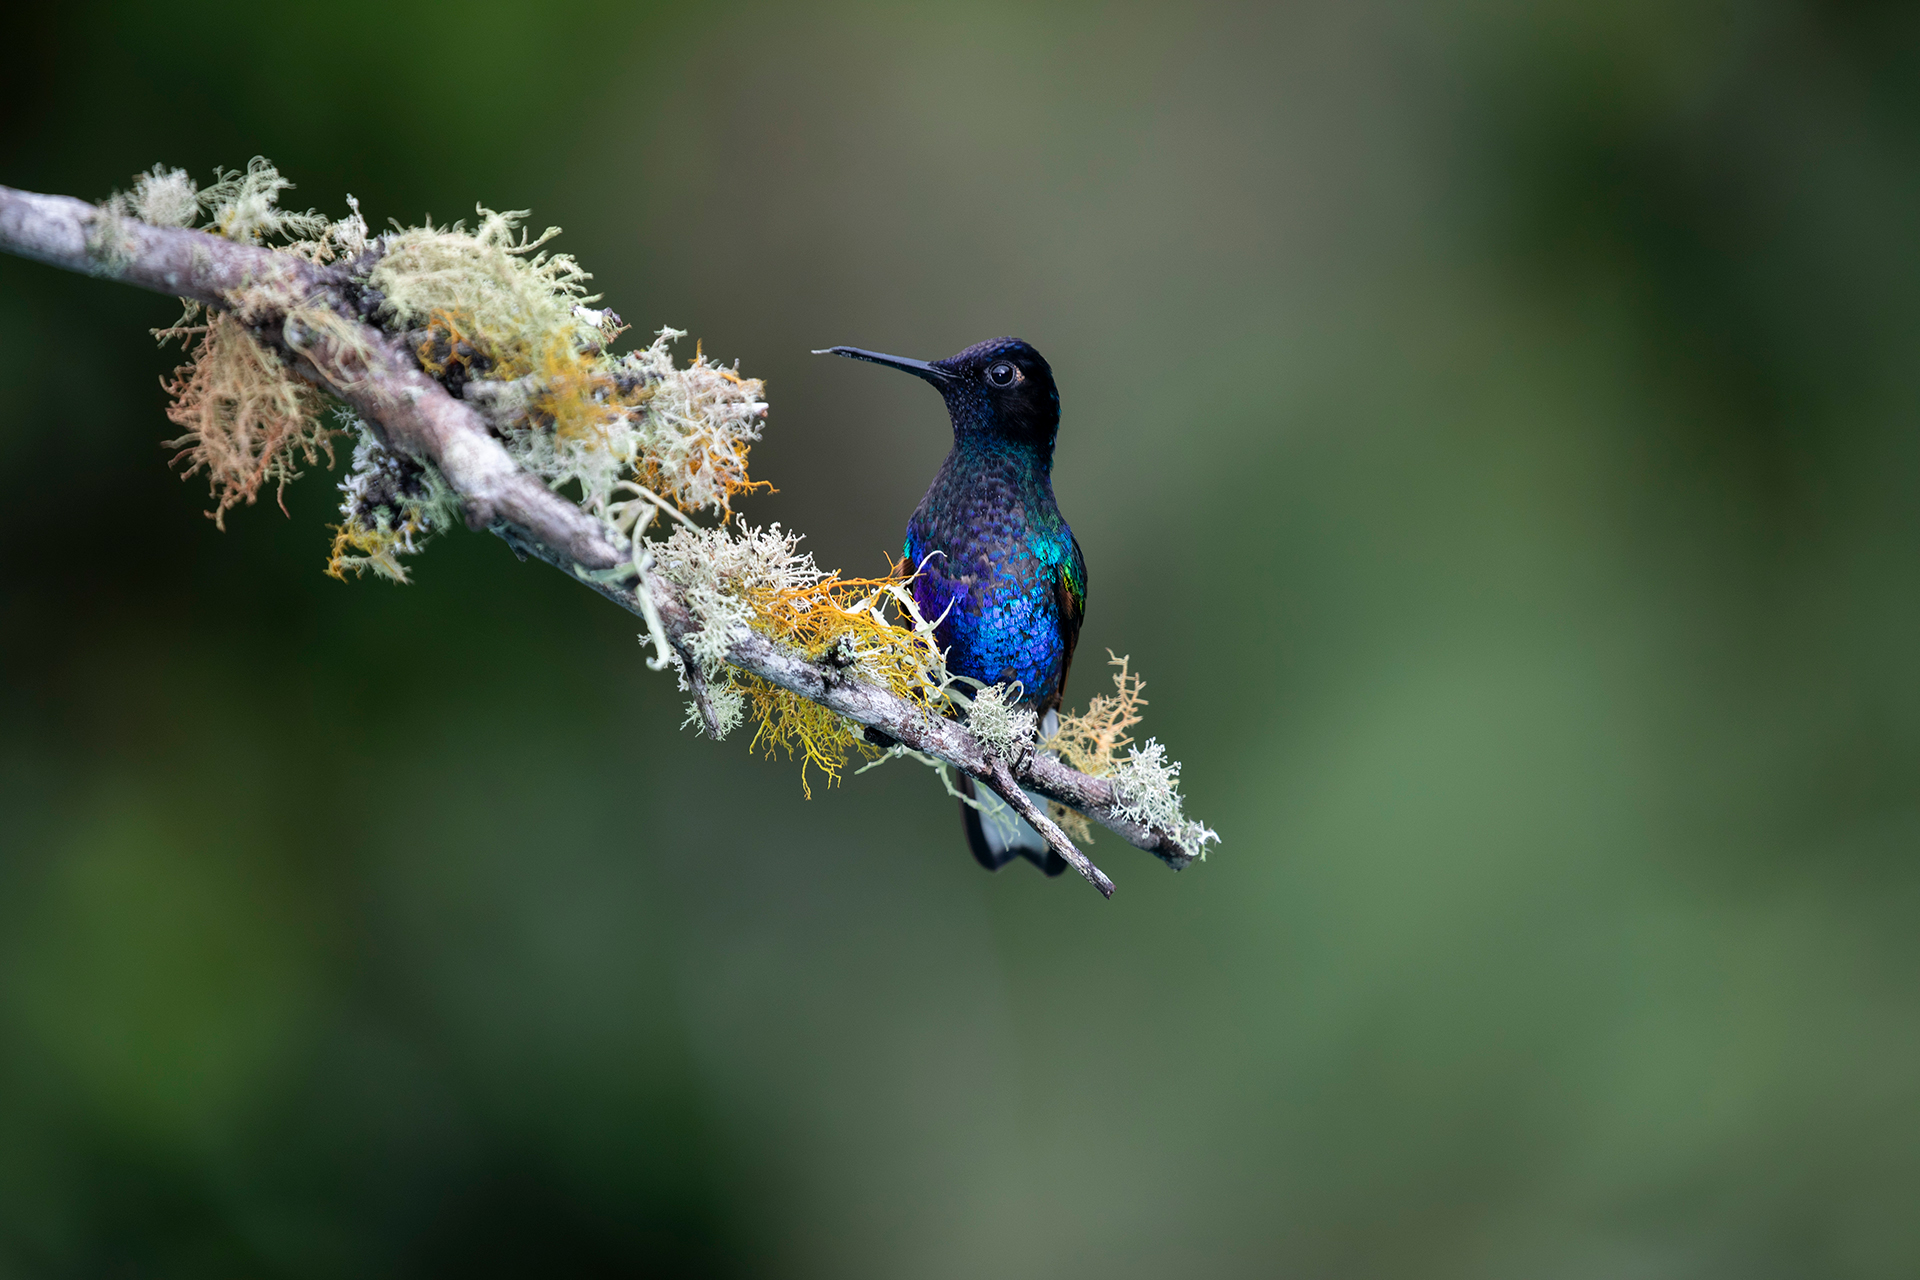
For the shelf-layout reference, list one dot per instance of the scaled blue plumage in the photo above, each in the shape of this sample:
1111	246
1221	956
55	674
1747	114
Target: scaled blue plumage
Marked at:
997	564
996	557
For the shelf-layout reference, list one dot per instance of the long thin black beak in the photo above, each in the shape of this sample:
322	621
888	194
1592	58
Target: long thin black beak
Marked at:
918	368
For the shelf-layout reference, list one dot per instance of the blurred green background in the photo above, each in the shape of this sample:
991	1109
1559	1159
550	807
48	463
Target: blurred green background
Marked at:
1494	431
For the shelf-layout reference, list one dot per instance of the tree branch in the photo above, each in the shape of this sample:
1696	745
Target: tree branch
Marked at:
308	312
1001	779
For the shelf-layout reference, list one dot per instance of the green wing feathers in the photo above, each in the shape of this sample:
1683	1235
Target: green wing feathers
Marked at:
1070	595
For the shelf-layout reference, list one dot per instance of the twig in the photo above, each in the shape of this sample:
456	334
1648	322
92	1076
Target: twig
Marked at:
1001	780
281	297
702	696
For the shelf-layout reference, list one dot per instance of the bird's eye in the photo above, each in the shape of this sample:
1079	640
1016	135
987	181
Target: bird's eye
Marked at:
1000	373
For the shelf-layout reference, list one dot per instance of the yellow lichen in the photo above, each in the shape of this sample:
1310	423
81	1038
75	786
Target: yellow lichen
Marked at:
378	548
846	620
392	506
758	578
843	621
820	738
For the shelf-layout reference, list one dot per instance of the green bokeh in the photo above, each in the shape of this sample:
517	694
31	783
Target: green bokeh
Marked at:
1494	431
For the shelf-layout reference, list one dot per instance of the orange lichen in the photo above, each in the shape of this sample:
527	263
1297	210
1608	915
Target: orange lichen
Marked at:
852	615
579	396
845	621
445	343
248	421
730	486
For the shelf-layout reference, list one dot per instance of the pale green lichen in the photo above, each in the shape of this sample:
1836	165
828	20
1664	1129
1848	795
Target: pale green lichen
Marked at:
997	719
1146	789
244	205
493	281
510	325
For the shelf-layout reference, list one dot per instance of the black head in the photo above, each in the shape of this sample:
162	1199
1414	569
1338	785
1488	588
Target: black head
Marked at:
1001	386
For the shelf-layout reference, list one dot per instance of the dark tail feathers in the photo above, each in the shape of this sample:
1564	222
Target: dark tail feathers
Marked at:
999	835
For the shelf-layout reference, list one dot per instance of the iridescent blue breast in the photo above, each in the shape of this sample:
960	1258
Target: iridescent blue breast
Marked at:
999	562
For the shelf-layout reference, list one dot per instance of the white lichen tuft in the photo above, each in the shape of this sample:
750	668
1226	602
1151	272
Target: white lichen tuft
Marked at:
691	439
165	198
349	234
245	206
997	719
720	577
1146	789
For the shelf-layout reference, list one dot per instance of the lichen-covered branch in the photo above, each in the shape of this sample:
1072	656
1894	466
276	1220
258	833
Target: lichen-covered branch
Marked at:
478	380
301	307
944	739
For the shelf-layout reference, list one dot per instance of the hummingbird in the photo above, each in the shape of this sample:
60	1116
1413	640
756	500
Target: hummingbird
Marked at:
997	564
